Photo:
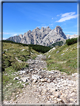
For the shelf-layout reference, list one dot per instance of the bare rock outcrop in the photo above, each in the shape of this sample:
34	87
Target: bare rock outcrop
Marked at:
43	36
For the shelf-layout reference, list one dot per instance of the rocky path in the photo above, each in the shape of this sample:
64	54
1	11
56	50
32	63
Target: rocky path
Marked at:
46	87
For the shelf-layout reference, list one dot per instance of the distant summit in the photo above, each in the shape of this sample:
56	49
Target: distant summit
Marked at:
43	36
71	36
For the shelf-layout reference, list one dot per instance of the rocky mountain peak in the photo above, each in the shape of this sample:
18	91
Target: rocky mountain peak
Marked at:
58	29
35	30
29	31
21	35
48	27
38	28
42	29
43	36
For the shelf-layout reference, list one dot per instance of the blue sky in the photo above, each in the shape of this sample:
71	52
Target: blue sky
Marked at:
18	18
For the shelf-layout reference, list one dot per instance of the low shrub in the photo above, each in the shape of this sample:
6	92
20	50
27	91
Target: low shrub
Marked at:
71	41
5	63
18	66
5	79
40	48
23	57
57	44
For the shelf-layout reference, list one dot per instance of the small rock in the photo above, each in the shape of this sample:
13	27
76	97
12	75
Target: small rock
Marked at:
73	94
22	49
43	80
57	52
35	77
18	92
23	85
72	100
10	84
57	94
48	80
48	102
63	99
55	101
34	81
43	91
49	56
16	78
52	96
31	70
59	100
66	49
62	54
20	82
74	74
52	89
22	72
16	96
24	79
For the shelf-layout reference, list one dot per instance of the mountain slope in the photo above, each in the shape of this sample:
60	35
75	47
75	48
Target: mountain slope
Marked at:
43	36
20	71
63	58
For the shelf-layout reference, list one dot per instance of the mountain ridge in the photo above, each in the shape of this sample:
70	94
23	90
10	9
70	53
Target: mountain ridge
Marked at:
43	36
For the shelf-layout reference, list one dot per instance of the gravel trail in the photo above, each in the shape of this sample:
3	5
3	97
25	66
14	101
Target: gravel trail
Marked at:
46	87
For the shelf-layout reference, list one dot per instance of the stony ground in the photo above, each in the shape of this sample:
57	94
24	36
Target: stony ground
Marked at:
45	87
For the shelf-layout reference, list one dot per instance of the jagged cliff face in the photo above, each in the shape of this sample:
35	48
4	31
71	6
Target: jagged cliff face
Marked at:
43	36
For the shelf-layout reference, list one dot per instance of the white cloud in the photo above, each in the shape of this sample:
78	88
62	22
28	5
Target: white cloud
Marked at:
11	34
6	33
67	16
58	15
4	38
14	34
51	25
44	26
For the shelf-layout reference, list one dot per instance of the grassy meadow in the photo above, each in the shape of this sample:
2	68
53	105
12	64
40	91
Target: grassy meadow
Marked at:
63	58
14	58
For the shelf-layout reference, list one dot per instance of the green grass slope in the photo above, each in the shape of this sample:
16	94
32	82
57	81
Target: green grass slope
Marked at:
63	58
14	57
14	52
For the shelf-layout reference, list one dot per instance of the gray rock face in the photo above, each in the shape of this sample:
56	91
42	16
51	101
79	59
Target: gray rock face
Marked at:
43	36
54	36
